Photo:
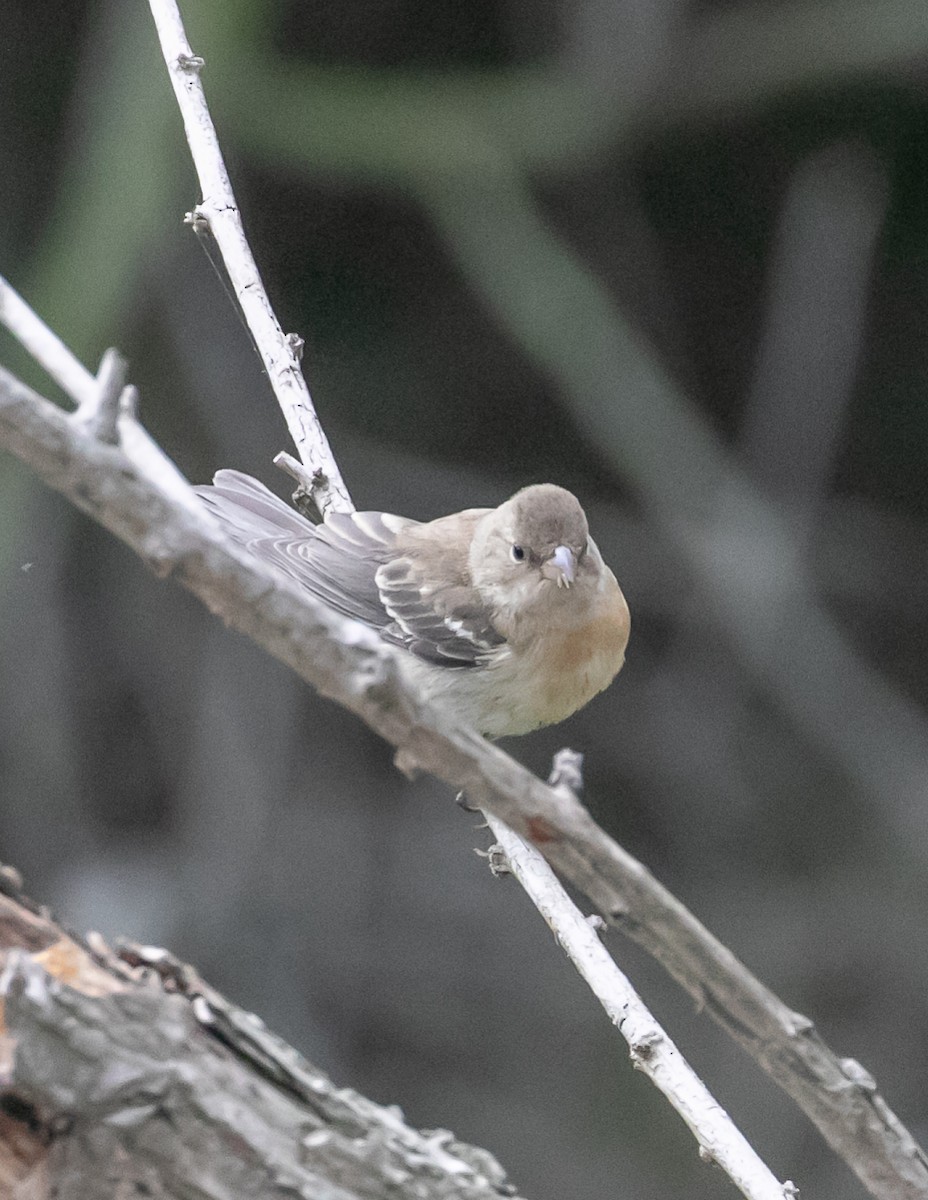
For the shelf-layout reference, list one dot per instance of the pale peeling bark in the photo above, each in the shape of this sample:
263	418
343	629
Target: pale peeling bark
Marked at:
116	1087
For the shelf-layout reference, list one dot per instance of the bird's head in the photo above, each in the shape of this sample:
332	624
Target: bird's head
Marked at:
534	546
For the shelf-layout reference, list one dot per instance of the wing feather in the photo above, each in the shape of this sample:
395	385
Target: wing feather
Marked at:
442	625
410	582
335	561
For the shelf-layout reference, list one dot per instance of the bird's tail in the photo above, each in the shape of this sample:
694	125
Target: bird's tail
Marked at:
335	561
249	512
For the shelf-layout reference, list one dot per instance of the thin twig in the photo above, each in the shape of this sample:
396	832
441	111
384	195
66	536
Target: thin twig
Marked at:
652	1051
280	354
306	482
88	392
99	414
46	347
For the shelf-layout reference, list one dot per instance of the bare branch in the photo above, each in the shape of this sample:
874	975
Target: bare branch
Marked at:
280	354
652	1051
46	347
348	663
92	395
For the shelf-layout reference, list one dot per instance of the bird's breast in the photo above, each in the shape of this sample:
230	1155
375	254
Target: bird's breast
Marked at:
539	680
580	662
563	667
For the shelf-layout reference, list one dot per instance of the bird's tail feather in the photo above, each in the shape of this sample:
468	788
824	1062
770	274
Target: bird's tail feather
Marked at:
248	510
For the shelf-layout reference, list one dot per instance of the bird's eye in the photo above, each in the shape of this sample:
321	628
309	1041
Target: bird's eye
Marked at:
518	554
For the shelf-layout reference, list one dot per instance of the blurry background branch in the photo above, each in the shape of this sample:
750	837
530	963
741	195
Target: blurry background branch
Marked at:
625	74
708	509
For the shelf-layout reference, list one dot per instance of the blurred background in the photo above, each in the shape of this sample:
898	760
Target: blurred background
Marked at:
672	254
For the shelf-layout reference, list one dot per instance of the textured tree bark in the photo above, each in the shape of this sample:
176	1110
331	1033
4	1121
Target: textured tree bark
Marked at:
127	1076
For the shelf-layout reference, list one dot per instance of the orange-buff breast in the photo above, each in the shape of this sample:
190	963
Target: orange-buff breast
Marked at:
581	662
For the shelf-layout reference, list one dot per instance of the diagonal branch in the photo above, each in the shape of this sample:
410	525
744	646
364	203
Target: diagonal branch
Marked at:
700	1110
347	663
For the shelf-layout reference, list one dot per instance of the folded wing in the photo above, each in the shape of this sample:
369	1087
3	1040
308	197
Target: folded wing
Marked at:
408	581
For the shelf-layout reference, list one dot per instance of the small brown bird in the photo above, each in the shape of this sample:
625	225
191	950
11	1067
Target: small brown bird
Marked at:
509	616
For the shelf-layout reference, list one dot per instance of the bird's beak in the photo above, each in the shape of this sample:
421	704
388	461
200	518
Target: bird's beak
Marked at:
561	566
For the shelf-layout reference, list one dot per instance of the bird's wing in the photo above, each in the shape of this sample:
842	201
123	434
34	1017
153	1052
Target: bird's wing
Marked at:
409	581
336	561
437	614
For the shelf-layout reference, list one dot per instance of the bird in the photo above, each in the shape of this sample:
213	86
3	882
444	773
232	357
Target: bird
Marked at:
506	617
